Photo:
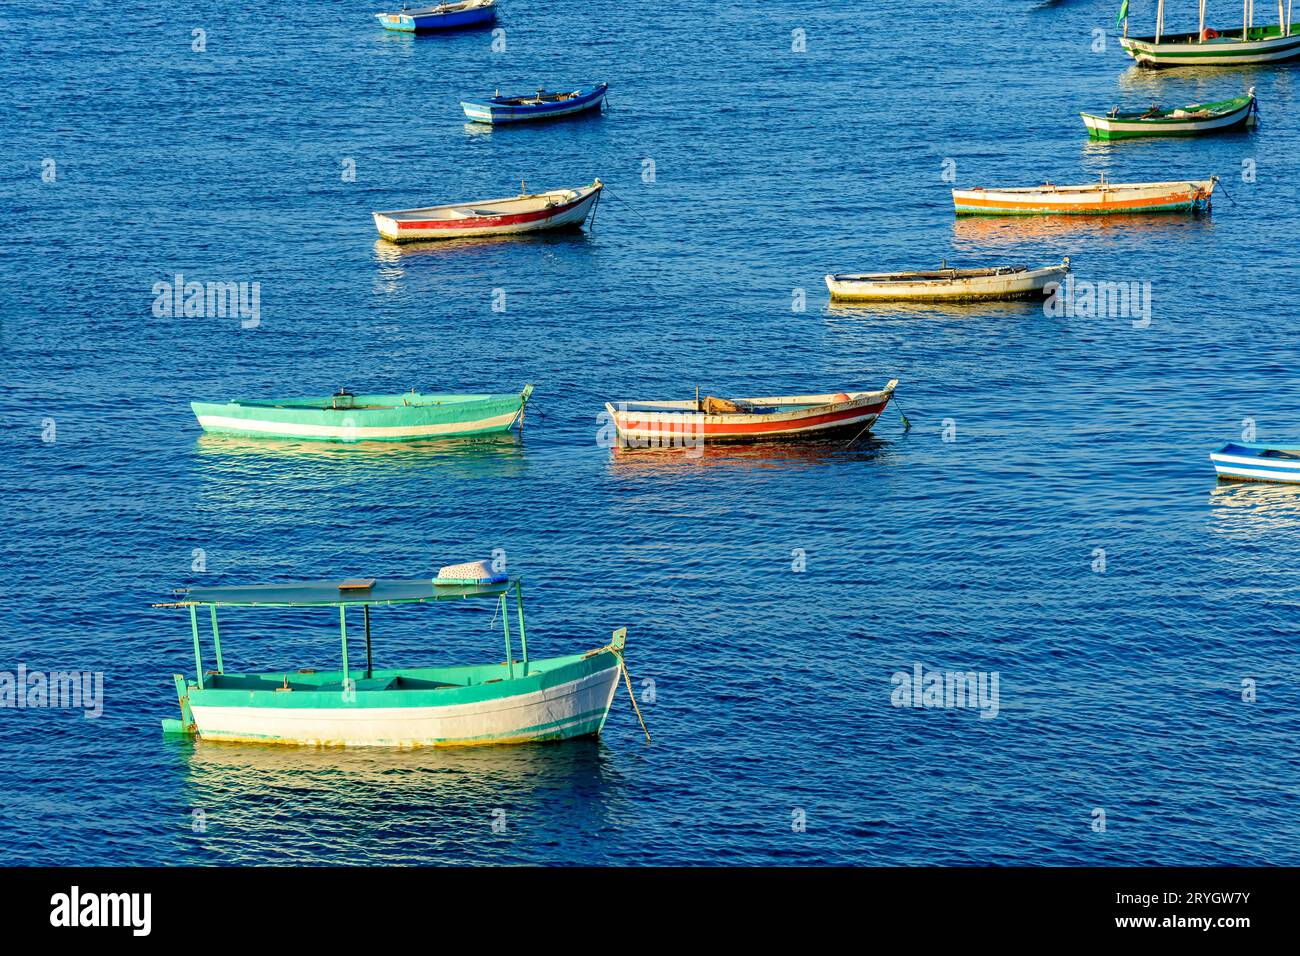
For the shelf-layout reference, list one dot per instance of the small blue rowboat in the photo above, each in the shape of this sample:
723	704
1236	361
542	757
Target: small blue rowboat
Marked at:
444	16
1251	461
536	106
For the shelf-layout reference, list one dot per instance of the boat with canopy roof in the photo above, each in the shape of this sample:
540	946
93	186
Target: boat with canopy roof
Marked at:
520	700
1211	47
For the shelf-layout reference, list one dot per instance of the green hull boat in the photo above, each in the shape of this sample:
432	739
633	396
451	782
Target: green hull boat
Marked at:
347	417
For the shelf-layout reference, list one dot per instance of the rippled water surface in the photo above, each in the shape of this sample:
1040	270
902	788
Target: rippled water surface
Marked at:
1119	691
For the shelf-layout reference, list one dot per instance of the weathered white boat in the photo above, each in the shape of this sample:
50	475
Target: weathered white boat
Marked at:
946	285
1089	199
1210	47
690	424
518	701
527	212
1255	461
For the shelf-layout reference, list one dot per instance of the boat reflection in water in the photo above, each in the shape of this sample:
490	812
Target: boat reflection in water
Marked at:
483	457
977	232
768	454
933	310
266	803
1253	508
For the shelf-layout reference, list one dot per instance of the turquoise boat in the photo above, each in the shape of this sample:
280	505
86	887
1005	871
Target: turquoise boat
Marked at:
347	417
520	700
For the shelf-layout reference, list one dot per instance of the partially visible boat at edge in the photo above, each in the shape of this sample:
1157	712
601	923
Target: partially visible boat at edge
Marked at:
1091	199
541	105
779	417
946	285
527	212
1193	120
1256	461
442	16
347	417
1210	47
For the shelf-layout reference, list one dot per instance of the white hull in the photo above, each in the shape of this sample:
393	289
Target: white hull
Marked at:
1222	51
345	432
476	220
1247	468
565	710
1010	285
1166	128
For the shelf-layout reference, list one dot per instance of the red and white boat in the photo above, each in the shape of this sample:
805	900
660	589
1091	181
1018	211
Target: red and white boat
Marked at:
710	419
527	212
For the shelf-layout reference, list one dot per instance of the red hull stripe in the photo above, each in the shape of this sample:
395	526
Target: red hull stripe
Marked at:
628	421
488	222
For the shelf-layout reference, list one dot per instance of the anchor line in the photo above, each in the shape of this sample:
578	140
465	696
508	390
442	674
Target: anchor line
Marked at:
627	679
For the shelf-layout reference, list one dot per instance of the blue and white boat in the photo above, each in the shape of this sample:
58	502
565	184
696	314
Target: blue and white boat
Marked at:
1252	461
536	106
443	16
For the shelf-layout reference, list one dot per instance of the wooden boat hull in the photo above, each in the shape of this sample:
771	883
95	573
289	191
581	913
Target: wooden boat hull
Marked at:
1087	200
1252	461
490	111
1117	127
570	210
1001	285
558	699
371	417
1262	45
677	424
430	19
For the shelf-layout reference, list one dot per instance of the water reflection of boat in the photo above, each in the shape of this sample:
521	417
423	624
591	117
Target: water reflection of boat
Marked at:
393	254
1255	507
477	455
980	231
389	806
934	310
801	454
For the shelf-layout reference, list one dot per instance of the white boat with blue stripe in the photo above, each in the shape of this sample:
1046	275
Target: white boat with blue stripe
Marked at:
1252	461
541	105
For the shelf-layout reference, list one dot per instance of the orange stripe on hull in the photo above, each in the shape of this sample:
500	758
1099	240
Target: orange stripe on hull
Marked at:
1101	206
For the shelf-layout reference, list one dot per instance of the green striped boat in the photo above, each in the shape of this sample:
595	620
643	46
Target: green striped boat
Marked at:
1192	120
1210	47
347	417
520	700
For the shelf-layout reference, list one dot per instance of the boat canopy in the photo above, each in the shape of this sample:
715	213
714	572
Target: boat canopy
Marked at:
341	593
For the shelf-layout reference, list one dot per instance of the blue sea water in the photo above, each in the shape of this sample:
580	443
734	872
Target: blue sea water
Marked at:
1076	438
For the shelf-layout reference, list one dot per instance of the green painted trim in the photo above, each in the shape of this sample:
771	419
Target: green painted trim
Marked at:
343	633
198	654
429	687
523	635
216	637
505	626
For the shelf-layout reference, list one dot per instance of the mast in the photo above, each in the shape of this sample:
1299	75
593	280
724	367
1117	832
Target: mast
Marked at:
1160	18
1200	33
369	663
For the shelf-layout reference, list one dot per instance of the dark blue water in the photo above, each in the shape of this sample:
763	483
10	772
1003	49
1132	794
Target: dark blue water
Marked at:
1119	691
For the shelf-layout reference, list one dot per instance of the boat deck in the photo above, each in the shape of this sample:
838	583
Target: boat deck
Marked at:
403	400
485	208
403	679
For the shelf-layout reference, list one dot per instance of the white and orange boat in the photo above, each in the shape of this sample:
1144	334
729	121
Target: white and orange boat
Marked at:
527	212
1091	199
779	417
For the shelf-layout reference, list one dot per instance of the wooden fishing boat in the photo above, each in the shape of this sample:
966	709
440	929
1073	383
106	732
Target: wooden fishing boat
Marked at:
442	16
690	424
541	105
1193	120
1211	47
946	285
1254	461
518	701
527	212
1100	198
348	417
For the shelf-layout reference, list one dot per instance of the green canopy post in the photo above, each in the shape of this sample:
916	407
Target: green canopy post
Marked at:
369	663
505	624
343	633
216	639
198	655
523	636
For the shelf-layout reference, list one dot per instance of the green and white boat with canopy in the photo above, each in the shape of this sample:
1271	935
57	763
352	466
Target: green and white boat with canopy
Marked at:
1208	46
520	700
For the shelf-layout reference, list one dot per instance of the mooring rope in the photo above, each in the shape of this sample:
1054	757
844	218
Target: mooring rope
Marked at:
627	679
